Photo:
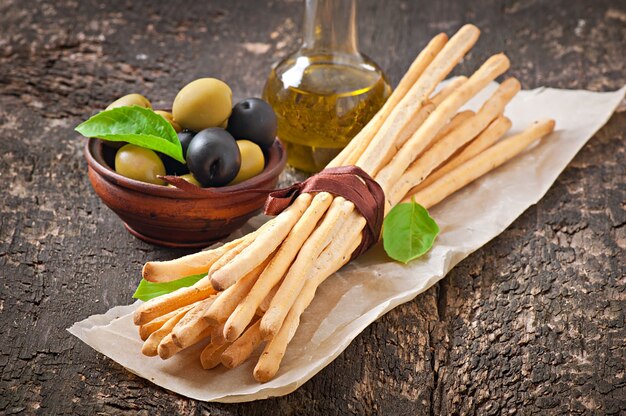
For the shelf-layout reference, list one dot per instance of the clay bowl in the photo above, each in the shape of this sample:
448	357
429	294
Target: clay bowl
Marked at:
174	217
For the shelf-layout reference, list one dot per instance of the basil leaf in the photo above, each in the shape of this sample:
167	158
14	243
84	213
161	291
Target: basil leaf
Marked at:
408	232
148	290
136	125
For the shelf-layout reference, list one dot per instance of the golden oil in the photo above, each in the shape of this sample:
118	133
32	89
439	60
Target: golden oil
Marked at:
321	105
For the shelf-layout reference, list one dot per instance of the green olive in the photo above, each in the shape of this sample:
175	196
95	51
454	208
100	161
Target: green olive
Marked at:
189	178
170	118
252	161
203	103
129	100
140	164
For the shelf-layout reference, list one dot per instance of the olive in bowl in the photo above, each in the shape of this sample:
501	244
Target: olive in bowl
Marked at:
213	157
140	164
253	119
203	103
130	100
173	166
252	161
170	119
174	217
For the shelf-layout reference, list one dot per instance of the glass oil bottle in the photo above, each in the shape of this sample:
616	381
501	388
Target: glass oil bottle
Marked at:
326	92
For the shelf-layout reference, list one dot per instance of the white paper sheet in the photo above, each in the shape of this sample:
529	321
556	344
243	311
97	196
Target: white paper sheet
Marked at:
372	285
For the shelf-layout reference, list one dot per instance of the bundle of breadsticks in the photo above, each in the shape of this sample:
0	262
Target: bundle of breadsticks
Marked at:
420	145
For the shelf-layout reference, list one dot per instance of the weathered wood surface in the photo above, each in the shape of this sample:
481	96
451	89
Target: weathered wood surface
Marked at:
532	323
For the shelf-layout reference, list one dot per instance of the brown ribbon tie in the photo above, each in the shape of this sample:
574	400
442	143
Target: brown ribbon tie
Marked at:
349	182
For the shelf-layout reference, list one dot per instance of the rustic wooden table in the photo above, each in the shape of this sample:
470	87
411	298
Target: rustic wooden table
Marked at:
531	323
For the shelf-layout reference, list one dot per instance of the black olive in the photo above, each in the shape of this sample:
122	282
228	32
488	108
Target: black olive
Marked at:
185	137
173	166
213	157
253	119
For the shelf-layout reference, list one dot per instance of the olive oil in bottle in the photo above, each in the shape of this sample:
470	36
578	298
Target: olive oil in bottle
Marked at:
326	92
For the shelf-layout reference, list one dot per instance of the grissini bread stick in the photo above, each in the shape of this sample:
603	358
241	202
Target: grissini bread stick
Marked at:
486	139
186	331
211	355
198	263
148	328
332	259
265	304
226	302
445	148
161	305
456	121
150	345
233	253
277	267
380	151
168	348
486	161
265	243
448	89
273	353
492	68
293	281
240	350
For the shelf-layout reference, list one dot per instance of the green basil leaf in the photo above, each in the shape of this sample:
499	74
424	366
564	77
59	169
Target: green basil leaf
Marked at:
148	290
408	232
136	125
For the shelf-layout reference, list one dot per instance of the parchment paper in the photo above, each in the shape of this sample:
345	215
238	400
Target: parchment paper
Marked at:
372	285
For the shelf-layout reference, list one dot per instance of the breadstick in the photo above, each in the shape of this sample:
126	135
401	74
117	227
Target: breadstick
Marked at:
240	350
487	138
198	263
380	149
156	307
193	324
150	346
456	121
486	161
232	254
244	312
265	244
265	304
445	148
445	92
411	127
168	348
146	329
293	281
211	355
350	154
337	254
492	68
228	300
217	335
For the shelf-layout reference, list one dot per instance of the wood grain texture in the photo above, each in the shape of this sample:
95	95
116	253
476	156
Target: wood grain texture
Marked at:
533	323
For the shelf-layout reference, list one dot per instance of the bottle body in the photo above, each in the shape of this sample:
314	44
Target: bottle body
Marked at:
326	92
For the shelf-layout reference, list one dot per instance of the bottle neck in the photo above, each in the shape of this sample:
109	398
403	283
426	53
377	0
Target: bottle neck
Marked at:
330	27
